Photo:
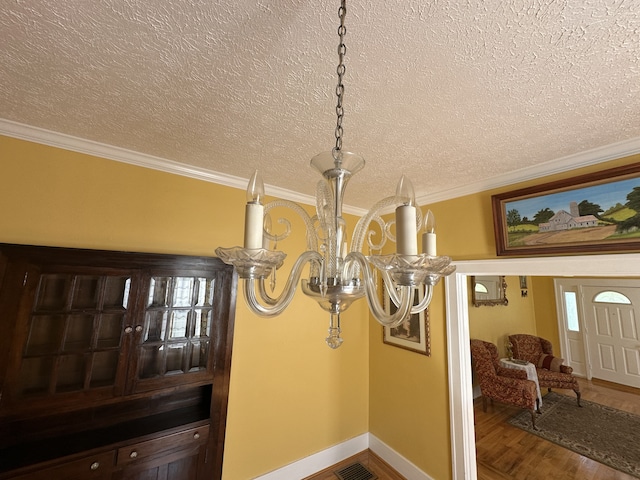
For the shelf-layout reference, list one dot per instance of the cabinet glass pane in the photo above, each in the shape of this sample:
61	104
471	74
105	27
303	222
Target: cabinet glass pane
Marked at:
110	330
71	370
151	361
103	371
176	355
79	330
35	374
202	323
178	328
75	332
52	292
205	292
199	355
116	292
159	291
85	292
182	291
45	335
155	326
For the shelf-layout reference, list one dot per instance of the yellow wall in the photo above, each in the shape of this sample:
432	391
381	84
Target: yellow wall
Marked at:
546	313
495	324
290	394
416	386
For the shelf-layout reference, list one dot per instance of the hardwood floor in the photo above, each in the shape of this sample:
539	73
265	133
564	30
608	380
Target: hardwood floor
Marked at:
506	452
367	458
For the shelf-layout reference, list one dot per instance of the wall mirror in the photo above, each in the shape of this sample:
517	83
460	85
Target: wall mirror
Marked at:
488	290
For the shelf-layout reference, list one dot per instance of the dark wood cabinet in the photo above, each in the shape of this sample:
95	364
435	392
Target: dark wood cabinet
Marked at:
113	352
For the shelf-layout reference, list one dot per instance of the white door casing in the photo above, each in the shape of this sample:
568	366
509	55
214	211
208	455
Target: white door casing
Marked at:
572	347
463	456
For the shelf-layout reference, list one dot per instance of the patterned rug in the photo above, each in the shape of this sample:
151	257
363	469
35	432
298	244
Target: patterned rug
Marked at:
604	434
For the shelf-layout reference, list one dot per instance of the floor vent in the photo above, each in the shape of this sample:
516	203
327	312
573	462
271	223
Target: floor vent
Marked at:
356	471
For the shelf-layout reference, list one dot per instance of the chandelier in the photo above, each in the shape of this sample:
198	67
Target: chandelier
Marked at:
339	275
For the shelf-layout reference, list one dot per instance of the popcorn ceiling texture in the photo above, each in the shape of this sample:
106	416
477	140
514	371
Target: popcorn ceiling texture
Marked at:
447	92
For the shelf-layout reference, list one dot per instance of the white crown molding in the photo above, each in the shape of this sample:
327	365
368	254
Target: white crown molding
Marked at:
109	152
563	164
89	147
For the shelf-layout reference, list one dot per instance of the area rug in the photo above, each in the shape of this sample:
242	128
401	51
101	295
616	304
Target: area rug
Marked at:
604	434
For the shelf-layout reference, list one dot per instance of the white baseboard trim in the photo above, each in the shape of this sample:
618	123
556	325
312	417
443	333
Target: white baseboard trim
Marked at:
400	464
319	461
477	393
326	458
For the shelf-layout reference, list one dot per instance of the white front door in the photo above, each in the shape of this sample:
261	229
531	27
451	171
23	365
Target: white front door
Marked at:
612	321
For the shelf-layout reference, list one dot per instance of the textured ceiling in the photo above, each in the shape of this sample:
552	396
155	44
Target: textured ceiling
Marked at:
448	92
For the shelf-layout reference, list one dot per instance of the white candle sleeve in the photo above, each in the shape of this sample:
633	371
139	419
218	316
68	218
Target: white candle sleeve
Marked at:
253	225
429	244
406	232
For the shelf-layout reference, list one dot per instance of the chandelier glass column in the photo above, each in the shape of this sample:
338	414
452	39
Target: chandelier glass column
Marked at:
339	275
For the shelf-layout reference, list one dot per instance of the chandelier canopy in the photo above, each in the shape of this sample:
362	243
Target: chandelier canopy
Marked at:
339	275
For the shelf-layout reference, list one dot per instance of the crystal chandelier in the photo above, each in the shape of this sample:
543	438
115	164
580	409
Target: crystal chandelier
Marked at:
338	275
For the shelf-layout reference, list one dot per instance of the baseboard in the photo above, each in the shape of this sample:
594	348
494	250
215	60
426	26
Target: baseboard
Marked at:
476	391
319	461
400	464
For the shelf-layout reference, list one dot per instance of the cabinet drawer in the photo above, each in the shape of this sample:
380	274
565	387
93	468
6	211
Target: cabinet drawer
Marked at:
181	440
91	467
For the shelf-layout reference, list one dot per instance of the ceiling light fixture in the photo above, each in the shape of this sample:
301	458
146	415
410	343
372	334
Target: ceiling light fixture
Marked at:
338	276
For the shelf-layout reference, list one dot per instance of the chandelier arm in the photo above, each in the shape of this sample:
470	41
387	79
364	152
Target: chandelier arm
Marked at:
393	294
360	230
275	306
405	296
426	300
312	243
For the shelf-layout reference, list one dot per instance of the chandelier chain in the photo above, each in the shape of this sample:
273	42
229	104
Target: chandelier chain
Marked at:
342	50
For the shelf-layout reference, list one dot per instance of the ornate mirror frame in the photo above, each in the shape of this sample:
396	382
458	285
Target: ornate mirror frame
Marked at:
488	290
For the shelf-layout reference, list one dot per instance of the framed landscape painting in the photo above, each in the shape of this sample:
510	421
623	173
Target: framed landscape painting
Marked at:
412	334
593	213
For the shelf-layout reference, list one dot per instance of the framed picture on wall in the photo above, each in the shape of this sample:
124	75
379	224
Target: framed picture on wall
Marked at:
594	213
412	334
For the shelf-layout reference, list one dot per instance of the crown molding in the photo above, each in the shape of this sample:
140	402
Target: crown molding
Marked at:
109	152
89	147
560	165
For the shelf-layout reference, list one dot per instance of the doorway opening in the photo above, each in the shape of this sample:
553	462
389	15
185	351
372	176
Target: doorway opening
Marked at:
459	358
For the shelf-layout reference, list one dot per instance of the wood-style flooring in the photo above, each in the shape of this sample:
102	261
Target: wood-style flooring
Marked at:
506	452
367	458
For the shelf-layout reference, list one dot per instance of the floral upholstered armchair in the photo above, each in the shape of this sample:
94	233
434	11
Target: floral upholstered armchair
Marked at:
551	372
502	384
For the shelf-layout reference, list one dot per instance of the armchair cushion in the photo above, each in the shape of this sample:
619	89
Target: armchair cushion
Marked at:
549	362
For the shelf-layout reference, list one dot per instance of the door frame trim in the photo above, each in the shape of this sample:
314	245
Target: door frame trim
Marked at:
560	286
463	455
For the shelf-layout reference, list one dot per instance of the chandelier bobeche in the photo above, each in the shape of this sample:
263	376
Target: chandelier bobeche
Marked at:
338	275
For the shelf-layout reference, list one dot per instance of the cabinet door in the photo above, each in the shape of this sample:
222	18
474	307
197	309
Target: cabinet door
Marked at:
175	457
71	337
180	465
175	344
